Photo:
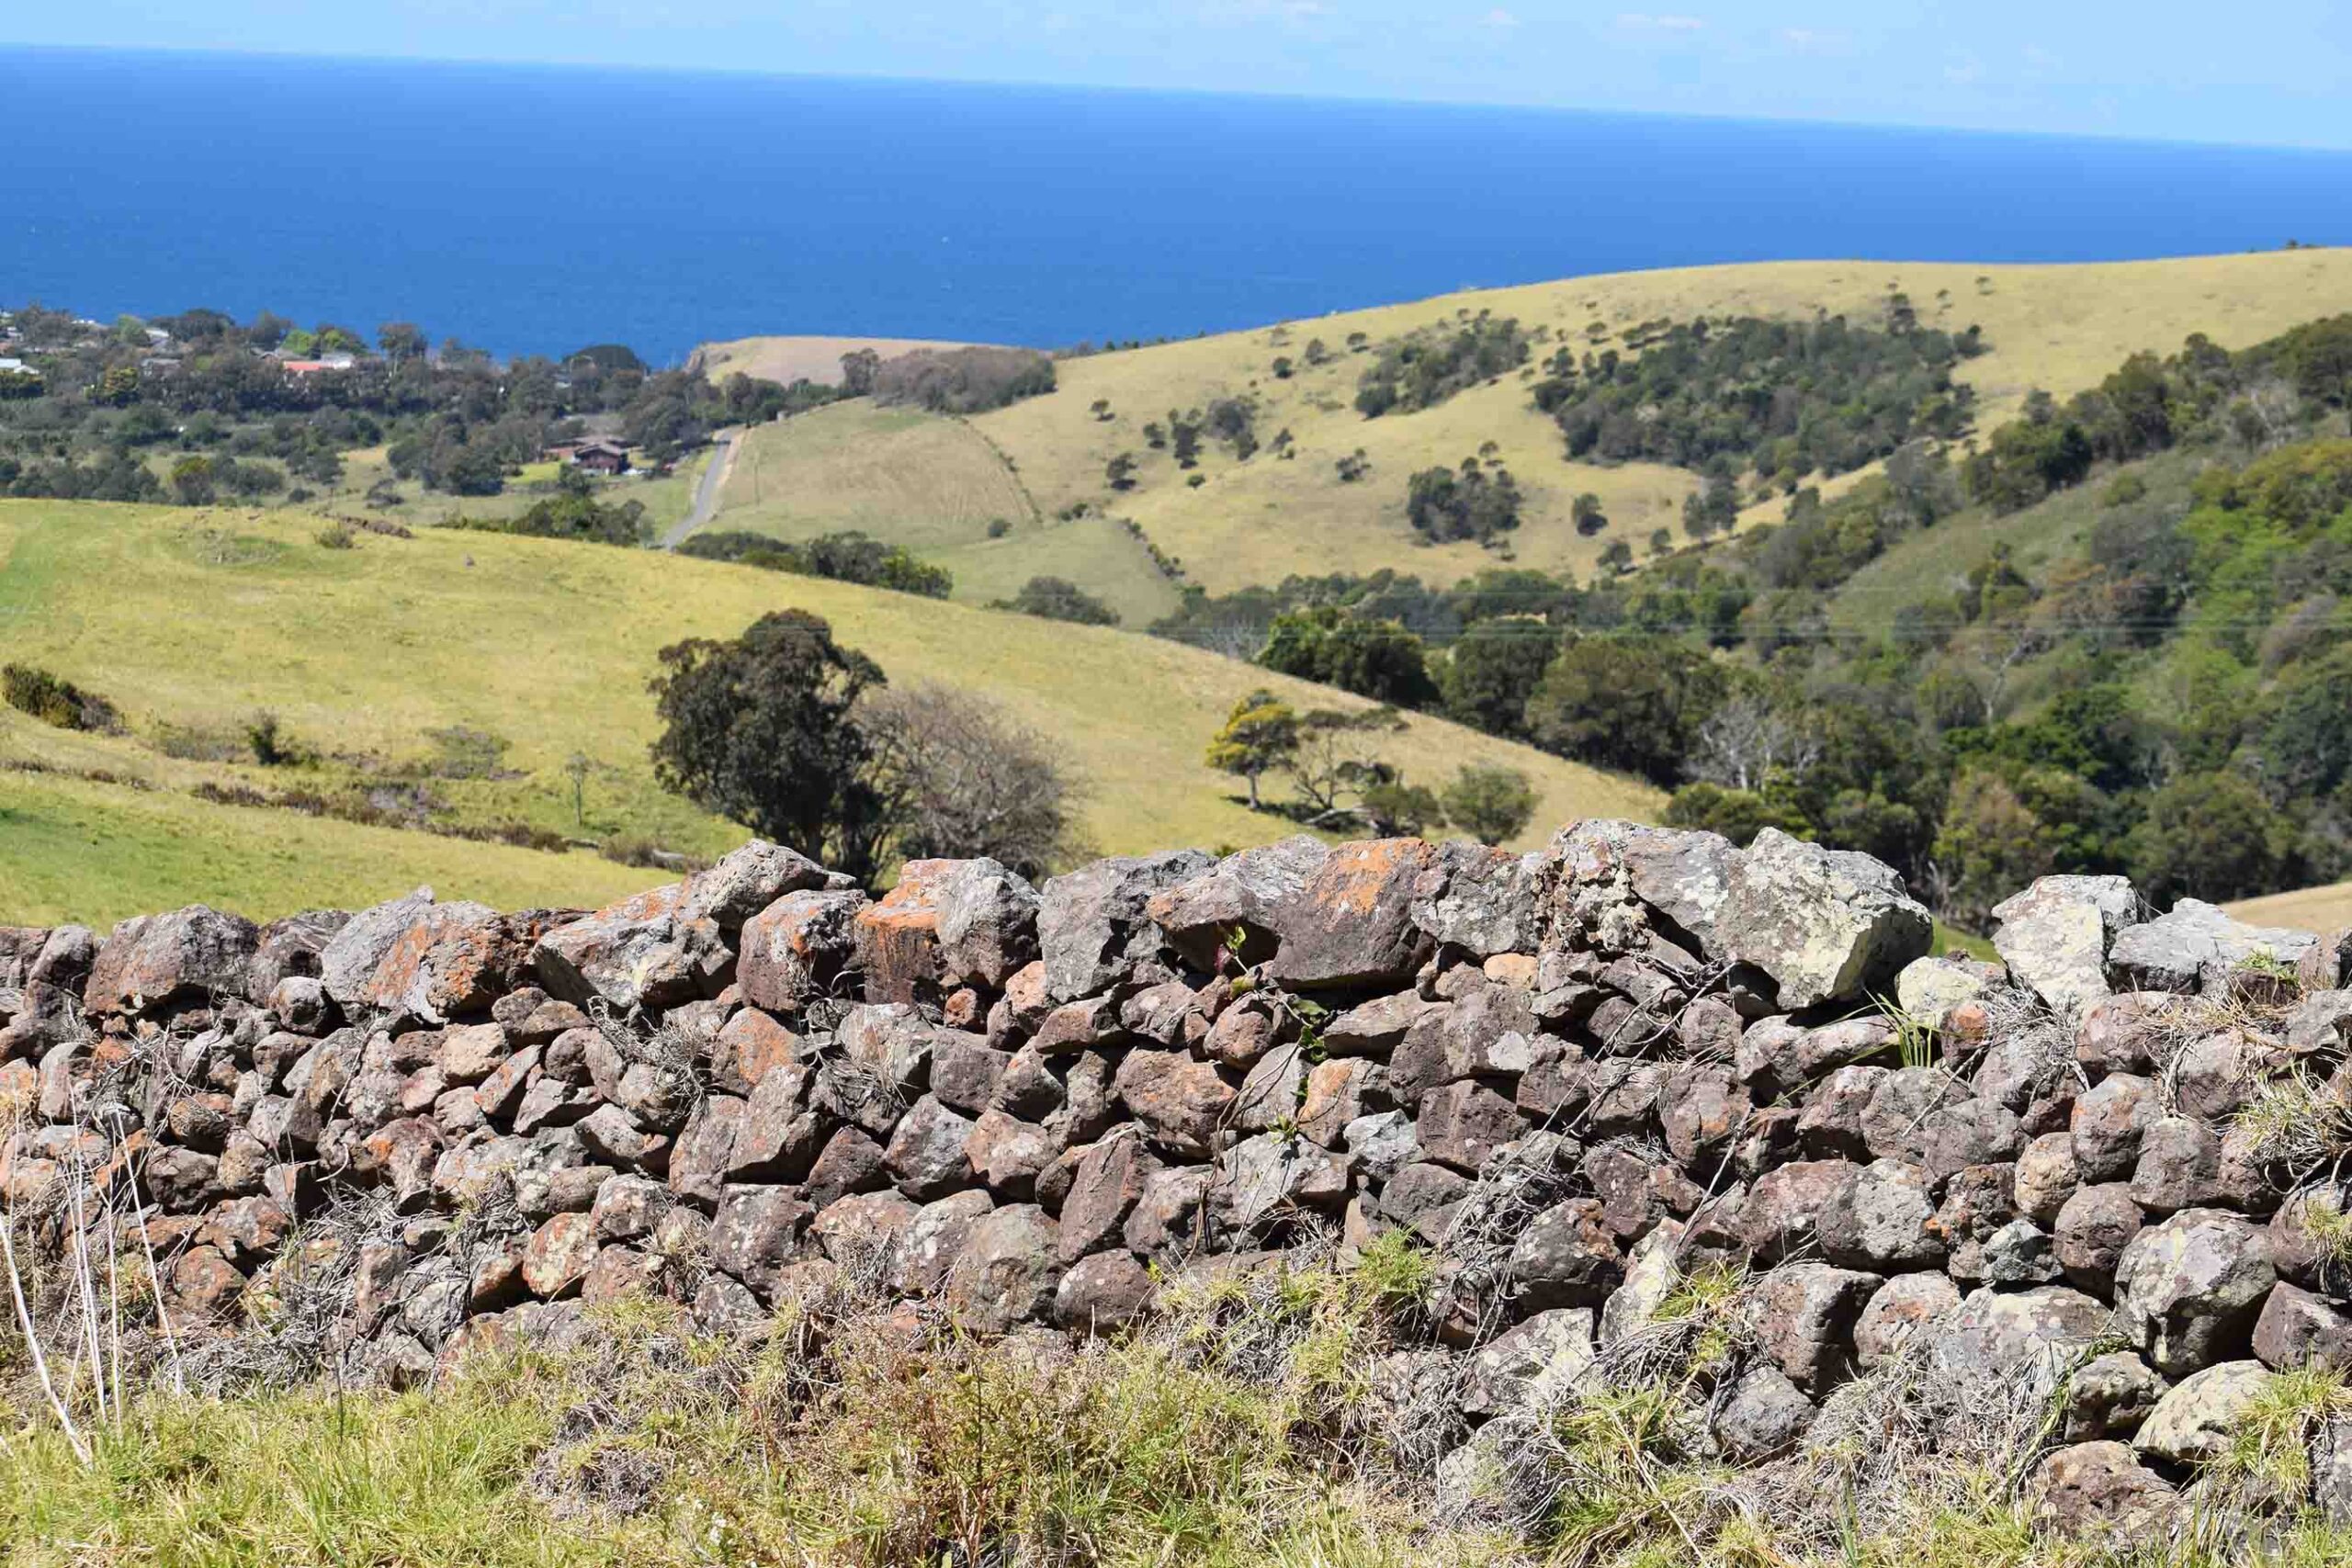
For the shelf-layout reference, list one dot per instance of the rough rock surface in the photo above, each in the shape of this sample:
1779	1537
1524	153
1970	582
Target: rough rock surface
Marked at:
1573	1075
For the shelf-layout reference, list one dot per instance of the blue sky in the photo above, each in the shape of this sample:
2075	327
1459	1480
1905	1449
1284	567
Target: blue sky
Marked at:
2261	72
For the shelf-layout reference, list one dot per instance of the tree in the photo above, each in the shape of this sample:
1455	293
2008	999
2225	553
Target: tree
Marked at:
576	768
1338	753
858	367
1260	733
760	729
2213	835
1445	504
1624	701
1990	844
1121	471
1491	671
402	341
1490	803
2307	746
1586	512
1058	599
1391	808
1711	508
1373	657
192	480
959	777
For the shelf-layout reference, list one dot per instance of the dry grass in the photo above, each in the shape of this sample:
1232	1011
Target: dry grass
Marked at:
934	484
2058	327
790	359
2319	909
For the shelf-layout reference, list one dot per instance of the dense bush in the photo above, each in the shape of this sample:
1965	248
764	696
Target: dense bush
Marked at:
581	518
1058	599
1424	367
53	700
1373	657
963	380
1783	397
849	556
1470	503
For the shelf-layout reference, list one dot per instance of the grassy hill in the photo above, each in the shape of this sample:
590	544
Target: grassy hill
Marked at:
195	622
2061	328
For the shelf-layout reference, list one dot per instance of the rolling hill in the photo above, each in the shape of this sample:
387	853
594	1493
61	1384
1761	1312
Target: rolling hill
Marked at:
2060	328
195	622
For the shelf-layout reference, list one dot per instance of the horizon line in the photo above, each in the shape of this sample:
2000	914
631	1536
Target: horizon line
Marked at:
224	51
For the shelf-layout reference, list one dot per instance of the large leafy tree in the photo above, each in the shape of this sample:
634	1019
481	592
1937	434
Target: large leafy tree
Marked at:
1491	671
1633	703
1261	735
760	729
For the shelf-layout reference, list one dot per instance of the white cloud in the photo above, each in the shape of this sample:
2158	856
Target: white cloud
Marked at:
1498	19
1642	22
2038	57
1965	71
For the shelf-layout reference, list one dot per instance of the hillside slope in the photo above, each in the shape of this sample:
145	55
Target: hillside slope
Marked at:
2061	328
202	620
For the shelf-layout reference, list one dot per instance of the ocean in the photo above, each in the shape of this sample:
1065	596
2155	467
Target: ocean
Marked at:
539	209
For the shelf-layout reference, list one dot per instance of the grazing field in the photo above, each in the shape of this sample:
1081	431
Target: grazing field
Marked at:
790	359
2309	909
77	850
2061	328
194	623
667	499
937	486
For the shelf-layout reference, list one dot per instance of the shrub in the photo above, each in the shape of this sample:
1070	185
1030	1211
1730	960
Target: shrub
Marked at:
1446	505
1058	599
44	696
849	556
1490	803
1423	368
337	536
961	777
460	752
963	380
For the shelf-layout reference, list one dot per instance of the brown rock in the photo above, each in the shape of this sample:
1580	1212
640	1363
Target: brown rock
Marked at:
1182	1102
2102	1493
897	939
151	961
796	949
559	1255
1463	1124
1104	1291
1806	1321
1351	923
1108	1181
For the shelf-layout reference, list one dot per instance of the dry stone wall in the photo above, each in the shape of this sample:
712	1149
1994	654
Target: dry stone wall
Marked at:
1576	1075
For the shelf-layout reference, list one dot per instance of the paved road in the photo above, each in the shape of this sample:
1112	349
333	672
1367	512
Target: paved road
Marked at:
714	475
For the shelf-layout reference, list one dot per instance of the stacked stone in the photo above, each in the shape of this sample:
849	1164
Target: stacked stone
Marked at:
1033	1103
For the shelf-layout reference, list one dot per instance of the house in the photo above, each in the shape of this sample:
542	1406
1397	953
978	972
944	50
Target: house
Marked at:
601	455
313	366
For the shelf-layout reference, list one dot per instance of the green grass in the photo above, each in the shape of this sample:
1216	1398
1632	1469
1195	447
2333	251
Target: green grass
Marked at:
667	500
934	485
96	852
2061	328
202	620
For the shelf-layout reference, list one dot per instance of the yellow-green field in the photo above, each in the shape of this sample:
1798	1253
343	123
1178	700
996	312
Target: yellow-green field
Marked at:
790	359
2309	909
94	853
204	619
935	486
666	500
2061	328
